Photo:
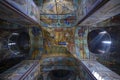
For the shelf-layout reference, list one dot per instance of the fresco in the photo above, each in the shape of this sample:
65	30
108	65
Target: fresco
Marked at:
58	13
65	13
81	47
63	6
25	7
60	37
36	42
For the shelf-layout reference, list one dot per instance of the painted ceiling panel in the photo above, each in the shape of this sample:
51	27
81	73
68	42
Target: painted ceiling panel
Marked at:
58	13
60	37
58	7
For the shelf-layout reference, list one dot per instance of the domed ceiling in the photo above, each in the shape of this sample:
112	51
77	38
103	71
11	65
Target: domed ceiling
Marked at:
58	13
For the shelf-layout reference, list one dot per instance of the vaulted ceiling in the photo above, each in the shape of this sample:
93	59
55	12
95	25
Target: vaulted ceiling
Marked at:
58	13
